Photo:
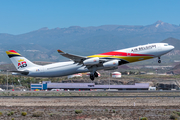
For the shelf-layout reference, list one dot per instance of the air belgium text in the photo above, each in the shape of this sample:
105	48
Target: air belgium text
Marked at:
143	48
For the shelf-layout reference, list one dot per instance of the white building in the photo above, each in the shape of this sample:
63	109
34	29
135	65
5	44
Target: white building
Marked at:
75	75
152	88
116	75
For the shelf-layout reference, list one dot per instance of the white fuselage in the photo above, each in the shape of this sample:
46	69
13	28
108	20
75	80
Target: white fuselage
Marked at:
70	67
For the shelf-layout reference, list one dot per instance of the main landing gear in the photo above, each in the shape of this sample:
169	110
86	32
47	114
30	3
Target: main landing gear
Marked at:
93	75
159	60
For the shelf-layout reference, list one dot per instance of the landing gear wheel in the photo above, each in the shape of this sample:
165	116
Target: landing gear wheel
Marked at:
159	61
95	74
91	77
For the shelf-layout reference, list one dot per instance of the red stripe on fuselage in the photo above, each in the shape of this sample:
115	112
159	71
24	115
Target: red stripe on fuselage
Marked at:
123	54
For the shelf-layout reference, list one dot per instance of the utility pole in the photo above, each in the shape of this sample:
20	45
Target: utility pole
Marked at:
7	80
109	79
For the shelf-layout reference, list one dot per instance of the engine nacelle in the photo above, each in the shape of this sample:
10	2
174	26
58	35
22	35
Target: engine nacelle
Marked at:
112	63
91	61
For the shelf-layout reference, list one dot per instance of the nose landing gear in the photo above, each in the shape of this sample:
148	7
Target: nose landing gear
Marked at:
159	60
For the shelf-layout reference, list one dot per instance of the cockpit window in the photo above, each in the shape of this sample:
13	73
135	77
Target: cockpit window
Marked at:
166	44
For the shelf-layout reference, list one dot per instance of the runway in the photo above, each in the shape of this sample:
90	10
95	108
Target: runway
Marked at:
88	94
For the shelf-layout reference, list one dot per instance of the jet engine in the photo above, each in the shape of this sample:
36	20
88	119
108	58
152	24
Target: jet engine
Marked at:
91	61
112	63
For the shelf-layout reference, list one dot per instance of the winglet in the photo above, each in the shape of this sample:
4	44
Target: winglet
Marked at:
60	51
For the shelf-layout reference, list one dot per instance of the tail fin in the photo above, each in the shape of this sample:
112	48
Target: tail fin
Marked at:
21	63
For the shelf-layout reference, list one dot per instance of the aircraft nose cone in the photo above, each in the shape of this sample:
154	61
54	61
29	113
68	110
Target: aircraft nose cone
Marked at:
172	47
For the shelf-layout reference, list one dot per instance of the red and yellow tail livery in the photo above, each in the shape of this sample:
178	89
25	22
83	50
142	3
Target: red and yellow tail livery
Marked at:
12	53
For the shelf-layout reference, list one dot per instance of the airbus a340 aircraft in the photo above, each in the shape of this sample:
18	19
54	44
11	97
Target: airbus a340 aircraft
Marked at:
80	64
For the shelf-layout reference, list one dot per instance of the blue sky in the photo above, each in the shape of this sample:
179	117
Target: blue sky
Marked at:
21	16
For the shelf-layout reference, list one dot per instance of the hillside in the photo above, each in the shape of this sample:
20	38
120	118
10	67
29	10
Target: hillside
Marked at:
41	45
173	41
175	54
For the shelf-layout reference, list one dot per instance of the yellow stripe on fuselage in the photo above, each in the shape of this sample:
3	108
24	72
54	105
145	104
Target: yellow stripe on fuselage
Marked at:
127	58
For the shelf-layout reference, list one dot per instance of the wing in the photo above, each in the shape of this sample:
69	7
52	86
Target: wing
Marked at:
81	59
75	58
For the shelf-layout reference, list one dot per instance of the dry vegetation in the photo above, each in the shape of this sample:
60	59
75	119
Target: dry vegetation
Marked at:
89	108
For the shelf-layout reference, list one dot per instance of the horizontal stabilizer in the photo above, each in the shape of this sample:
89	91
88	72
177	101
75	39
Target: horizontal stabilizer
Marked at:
21	72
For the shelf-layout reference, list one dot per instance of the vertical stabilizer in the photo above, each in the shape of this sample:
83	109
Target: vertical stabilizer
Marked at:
20	62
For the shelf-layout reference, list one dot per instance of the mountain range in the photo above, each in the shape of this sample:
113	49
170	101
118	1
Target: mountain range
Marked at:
42	44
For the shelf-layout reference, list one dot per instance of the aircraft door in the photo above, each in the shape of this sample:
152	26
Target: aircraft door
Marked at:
129	52
159	47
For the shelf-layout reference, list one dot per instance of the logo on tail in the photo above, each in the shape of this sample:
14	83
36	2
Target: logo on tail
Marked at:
22	63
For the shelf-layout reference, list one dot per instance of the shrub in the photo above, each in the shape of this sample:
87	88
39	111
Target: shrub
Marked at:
37	114
1	113
9	114
23	113
12	119
12	112
114	111
143	118
174	116
78	111
178	113
51	114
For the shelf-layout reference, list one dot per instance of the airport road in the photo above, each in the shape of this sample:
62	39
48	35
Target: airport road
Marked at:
89	101
89	97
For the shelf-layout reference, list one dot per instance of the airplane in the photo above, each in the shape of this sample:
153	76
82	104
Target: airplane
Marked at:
80	64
